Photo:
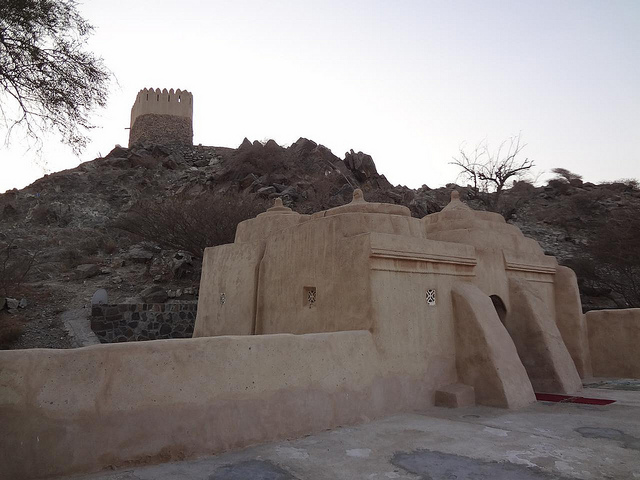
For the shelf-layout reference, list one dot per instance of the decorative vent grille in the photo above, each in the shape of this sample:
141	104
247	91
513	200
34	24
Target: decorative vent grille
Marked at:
431	297
310	296
223	298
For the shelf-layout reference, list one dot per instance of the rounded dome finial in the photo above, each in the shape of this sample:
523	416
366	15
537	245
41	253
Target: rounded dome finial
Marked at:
455	195
278	207
358	196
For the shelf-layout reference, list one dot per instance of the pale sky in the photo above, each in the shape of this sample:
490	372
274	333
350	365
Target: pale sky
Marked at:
407	82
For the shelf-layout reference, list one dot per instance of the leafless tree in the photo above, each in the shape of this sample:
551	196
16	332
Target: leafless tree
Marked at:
489	172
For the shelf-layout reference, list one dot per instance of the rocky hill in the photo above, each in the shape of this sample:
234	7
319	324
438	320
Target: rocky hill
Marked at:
141	216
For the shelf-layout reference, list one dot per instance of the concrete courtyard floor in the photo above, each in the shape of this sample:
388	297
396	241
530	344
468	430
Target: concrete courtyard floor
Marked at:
542	441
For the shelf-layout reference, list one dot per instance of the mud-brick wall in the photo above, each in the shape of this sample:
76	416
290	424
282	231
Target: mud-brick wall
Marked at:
130	322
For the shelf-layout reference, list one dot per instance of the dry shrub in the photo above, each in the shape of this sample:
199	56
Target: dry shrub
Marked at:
10	330
91	245
616	250
611	262
71	258
576	212
567	176
15	265
631	183
515	198
189	224
110	246
523	187
560	186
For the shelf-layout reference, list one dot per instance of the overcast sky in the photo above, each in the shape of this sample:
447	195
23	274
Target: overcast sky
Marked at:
407	82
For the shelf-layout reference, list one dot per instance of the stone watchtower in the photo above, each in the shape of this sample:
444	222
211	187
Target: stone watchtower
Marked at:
162	117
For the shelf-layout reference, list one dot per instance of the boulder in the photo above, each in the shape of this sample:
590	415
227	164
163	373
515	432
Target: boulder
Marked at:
303	145
160	151
247	181
118	152
12	303
154	294
139	254
291	192
169	163
23	303
266	191
87	270
133	300
181	263
361	165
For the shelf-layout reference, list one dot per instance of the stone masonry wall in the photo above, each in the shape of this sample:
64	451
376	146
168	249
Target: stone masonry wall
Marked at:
162	130
131	322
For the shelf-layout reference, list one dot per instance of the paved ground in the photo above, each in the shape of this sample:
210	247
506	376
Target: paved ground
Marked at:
78	325
543	441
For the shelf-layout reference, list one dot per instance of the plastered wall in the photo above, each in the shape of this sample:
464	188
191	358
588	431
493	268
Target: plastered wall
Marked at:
571	322
320	263
66	411
162	102
228	285
614	342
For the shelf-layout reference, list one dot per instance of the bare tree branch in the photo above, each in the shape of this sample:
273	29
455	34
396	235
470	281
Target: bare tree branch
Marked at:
48	81
489	173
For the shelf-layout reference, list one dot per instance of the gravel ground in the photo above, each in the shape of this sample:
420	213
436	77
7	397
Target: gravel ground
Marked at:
42	326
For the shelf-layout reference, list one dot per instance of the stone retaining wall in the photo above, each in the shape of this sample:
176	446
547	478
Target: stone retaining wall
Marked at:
131	322
162	130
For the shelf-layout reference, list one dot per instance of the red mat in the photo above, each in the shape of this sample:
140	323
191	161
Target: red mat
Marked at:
552	397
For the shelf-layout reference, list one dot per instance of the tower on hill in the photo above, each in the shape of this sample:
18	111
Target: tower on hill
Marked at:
162	117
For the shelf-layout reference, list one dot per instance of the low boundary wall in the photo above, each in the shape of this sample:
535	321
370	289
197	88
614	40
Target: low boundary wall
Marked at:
614	342
82	410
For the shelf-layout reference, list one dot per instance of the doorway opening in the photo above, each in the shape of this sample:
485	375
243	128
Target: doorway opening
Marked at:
501	309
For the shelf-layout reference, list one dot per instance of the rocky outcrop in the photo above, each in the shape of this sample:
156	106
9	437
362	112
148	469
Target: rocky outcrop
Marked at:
361	165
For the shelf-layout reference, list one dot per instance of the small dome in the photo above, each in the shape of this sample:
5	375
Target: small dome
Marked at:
360	205
459	223
278	209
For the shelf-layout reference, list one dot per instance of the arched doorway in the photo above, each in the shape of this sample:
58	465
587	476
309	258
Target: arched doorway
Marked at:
500	307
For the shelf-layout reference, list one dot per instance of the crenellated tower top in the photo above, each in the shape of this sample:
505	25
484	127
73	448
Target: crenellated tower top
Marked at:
162	117
162	102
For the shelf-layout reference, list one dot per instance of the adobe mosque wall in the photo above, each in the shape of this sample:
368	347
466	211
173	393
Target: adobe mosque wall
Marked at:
307	322
162	116
369	266
614	336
